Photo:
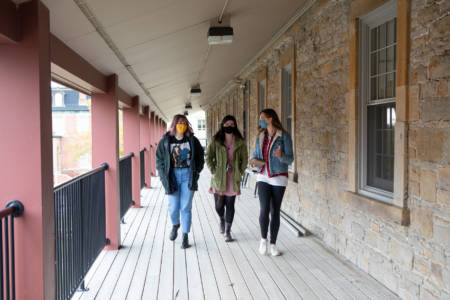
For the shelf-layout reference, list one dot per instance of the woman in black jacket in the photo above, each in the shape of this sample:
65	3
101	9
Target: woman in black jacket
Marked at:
179	160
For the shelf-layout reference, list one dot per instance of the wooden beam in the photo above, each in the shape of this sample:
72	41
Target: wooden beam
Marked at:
69	68
124	99
9	29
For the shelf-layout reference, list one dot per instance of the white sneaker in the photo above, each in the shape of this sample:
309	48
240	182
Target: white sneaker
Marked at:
263	246
274	251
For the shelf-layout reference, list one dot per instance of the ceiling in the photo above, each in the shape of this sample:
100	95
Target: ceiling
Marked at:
159	48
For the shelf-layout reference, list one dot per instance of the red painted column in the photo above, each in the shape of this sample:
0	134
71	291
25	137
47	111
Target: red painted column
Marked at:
26	172
131	143
105	148
153	144
145	142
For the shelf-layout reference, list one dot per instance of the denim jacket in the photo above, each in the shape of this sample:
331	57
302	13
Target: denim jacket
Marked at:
277	165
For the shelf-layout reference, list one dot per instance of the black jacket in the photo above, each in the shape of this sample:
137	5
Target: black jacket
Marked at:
165	171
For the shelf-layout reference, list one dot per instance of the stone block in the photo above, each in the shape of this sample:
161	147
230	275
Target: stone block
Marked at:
444	178
436	274
429	144
436	110
402	253
428	185
413	114
441	231
438	67
443	197
422	220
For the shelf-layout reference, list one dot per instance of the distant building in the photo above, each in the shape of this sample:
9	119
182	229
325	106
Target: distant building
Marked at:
198	122
71	125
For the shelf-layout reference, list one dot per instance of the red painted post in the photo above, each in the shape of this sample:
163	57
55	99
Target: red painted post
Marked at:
131	143
26	152
145	142
105	148
153	144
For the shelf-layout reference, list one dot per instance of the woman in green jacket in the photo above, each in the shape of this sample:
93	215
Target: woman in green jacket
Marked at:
226	158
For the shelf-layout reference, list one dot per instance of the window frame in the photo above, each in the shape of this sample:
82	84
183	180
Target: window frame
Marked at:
372	19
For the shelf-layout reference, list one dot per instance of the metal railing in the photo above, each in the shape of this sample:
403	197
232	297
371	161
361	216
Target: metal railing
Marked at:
142	163
80	229
13	210
125	184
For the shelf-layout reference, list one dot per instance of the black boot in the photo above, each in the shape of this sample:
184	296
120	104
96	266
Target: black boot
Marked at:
185	242
222	225
227	236
174	233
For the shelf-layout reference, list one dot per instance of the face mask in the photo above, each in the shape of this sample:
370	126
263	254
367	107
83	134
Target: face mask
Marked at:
181	128
262	124
228	129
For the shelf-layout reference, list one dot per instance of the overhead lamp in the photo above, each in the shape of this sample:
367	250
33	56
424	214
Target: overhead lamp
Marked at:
195	89
220	30
220	35
186	113
188	106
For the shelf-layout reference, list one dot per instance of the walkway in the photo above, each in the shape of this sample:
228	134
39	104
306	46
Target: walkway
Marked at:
150	266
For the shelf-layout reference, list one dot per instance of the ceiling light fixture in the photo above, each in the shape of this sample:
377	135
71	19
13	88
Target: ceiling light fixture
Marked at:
220	31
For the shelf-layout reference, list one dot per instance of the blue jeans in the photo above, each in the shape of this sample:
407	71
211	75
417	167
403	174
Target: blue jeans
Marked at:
181	200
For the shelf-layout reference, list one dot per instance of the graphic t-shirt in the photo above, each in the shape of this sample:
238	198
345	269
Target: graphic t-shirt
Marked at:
180	152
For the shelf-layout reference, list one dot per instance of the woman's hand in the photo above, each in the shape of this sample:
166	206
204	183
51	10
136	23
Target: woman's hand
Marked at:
254	162
278	152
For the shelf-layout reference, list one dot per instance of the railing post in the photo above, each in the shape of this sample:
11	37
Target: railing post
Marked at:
131	142
26	135
152	144
146	142
105	148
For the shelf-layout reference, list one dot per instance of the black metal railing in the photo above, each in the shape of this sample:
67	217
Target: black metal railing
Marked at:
142	163
125	184
13	210
80	229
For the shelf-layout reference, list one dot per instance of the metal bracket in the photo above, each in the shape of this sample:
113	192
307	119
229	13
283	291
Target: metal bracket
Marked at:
18	207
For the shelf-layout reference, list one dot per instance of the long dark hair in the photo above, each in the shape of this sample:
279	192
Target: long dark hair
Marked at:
173	126
270	113
220	135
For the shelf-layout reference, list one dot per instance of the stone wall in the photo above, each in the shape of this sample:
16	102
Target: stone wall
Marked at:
413	261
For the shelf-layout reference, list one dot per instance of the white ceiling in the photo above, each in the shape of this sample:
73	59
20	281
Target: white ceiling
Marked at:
165	42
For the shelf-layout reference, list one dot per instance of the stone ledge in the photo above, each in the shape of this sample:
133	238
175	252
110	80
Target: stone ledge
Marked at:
386	211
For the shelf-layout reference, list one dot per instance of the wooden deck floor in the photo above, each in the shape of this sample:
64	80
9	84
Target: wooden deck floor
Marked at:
150	266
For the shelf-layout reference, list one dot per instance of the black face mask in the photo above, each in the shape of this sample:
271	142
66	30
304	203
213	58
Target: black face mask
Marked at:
228	129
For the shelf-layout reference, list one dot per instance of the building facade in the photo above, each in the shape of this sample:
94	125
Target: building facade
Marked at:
363	88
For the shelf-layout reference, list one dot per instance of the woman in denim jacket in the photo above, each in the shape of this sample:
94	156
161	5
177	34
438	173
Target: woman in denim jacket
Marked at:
273	154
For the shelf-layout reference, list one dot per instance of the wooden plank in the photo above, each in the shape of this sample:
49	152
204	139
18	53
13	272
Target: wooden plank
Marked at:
180	273
270	287
224	283
111	279
194	275
126	275
252	281
165	286
207	272
236	277
138	280
353	285
151	282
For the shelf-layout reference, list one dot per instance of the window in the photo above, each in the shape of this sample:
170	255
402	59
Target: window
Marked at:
83	122
58	125
59	100
201	125
261	94
286	97
378	45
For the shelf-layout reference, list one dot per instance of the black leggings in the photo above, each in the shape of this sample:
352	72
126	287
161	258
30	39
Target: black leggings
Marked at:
221	203
270	197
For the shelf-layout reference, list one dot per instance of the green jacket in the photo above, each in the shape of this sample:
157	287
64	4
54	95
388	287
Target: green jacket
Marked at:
216	159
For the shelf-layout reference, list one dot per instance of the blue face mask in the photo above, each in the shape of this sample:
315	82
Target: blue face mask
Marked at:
262	124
